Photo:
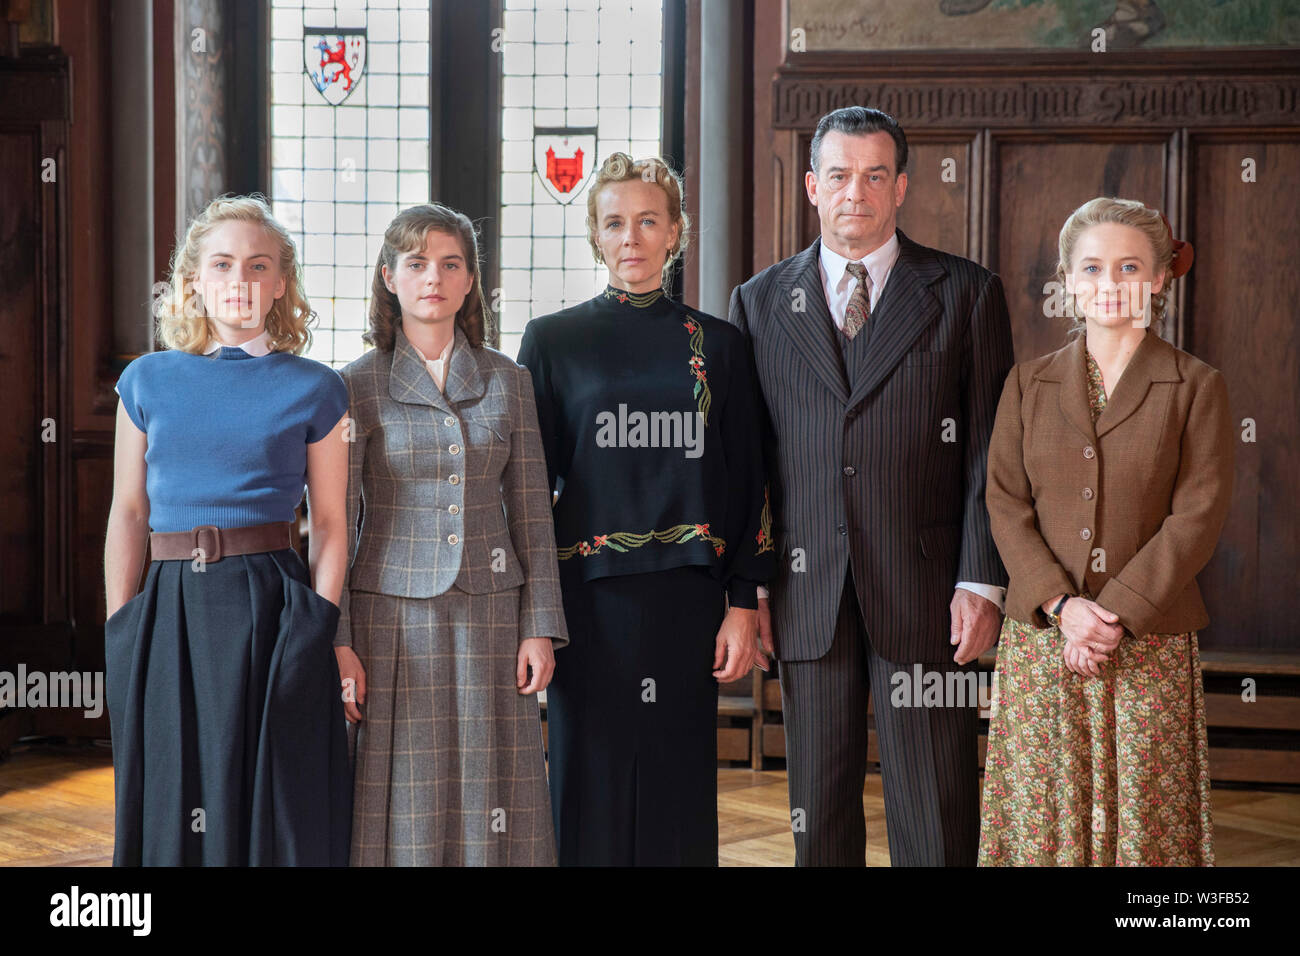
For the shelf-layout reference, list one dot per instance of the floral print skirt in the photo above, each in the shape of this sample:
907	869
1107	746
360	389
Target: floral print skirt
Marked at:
1086	771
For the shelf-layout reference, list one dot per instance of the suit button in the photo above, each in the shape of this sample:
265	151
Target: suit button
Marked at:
454	509
843	530
849	471
1088	452
449	420
1087	494
852	413
454	479
452	539
454	449
1085	534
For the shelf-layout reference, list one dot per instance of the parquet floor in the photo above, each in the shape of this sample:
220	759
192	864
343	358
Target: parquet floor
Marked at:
56	809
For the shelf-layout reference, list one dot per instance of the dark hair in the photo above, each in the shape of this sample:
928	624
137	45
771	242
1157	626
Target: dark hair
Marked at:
407	233
858	121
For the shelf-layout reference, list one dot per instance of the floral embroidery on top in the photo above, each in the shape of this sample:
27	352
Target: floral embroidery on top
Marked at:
764	536
702	392
636	299
622	541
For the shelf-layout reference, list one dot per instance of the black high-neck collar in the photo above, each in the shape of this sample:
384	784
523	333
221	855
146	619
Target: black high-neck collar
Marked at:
634	301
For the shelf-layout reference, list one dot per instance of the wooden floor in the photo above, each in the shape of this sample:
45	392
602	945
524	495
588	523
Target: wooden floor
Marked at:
56	809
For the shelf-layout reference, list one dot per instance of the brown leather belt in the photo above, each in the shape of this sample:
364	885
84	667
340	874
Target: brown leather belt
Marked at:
217	543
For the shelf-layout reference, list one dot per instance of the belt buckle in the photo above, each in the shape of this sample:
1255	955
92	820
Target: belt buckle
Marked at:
215	554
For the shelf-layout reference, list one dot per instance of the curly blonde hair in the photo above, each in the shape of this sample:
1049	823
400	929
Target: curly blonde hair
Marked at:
621	168
183	322
1124	212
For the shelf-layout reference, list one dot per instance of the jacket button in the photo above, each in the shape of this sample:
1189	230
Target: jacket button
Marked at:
1087	494
454	509
453	539
454	449
449	420
454	479
1088	452
1085	534
852	413
843	530
849	471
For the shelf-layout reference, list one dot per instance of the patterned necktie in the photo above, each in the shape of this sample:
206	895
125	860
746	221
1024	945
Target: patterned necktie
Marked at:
858	314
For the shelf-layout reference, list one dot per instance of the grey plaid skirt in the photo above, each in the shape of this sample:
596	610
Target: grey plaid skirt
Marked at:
449	766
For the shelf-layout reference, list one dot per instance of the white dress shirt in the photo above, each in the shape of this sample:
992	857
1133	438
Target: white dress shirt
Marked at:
257	345
438	367
838	284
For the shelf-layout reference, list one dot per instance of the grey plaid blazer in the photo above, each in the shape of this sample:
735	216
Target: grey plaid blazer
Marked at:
460	495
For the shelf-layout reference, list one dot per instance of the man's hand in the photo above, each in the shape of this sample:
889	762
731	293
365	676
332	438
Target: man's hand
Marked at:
975	624
766	649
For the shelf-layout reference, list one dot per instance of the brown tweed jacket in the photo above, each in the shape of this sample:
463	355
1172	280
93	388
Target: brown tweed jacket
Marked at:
461	497
1130	510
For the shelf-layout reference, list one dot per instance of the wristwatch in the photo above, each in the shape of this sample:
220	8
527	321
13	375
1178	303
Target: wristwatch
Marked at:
1054	615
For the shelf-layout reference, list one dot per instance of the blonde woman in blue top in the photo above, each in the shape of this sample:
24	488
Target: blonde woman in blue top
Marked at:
229	739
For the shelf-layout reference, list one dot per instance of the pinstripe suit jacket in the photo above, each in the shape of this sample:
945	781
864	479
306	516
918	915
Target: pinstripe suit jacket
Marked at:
872	471
453	486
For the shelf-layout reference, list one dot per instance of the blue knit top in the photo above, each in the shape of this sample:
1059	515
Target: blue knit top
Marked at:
228	432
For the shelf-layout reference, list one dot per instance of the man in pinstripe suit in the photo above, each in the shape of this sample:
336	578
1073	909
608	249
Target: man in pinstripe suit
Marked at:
881	364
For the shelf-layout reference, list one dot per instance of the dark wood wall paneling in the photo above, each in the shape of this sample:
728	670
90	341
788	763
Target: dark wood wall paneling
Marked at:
1035	135
35	477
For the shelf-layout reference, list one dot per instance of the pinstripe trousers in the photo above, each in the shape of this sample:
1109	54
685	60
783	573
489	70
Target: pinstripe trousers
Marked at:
928	758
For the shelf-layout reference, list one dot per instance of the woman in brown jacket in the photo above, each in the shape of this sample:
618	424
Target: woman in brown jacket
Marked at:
1109	477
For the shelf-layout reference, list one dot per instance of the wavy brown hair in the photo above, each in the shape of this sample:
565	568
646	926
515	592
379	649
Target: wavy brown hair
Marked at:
621	168
183	322
1124	212
408	232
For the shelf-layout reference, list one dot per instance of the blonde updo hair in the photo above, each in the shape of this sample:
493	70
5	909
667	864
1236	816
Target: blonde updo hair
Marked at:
183	321
1124	212
621	168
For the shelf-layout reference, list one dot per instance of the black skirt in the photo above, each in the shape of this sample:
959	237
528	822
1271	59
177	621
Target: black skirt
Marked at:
632	716
229	738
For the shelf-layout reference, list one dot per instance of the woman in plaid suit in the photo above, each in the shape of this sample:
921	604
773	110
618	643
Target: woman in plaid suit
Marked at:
452	605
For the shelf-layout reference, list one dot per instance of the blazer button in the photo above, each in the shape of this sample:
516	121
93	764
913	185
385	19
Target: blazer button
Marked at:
849	471
449	420
454	449
454	479
1088	452
1085	534
1087	494
454	509
453	539
843	530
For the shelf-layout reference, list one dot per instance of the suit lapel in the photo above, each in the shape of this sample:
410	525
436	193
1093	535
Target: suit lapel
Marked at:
1153	361
411	383
1069	368
811	330
906	308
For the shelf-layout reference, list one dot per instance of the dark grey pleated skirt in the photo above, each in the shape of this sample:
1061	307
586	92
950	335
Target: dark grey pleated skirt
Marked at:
229	738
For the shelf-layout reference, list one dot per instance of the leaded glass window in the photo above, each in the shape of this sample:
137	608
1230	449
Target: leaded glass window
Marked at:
580	79
349	145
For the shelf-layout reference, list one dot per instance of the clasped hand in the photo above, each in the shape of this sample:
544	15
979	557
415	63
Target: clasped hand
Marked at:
1091	634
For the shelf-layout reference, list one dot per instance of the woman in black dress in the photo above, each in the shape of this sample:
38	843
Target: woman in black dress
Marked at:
649	418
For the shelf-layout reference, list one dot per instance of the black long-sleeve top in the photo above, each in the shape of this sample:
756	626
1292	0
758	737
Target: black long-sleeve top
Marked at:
649	413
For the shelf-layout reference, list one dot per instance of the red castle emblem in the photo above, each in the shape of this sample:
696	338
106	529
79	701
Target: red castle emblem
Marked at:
564	173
